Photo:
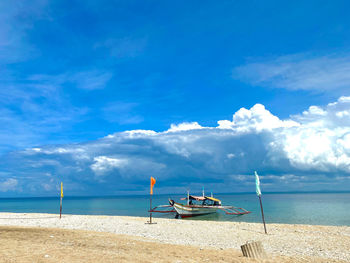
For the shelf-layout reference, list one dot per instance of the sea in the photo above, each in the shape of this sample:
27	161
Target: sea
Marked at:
287	208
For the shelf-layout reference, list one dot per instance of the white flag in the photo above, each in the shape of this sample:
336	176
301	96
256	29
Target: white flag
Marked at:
257	184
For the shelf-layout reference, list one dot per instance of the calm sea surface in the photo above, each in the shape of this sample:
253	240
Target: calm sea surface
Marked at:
311	208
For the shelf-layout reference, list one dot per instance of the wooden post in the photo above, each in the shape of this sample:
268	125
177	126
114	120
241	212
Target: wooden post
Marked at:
253	250
262	213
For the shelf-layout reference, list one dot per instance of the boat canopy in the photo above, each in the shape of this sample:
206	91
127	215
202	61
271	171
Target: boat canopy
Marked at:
201	198
193	197
213	199
198	198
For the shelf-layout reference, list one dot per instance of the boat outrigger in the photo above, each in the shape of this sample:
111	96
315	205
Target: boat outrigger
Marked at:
198	205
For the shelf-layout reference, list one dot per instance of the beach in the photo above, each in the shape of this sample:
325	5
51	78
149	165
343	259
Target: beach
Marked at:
169	240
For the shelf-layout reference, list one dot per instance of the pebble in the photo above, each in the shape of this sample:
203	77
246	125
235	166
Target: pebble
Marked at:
328	242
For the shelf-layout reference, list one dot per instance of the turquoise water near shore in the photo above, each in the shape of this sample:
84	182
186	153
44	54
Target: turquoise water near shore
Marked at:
291	208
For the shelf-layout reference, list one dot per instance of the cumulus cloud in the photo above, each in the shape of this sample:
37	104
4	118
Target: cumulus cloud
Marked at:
103	164
304	152
185	126
255	119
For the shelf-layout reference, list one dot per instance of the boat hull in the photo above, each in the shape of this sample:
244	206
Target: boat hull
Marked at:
193	210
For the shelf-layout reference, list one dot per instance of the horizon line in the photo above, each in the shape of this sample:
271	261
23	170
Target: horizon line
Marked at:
226	193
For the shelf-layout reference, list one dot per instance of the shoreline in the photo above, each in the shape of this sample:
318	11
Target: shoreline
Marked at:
289	240
184	219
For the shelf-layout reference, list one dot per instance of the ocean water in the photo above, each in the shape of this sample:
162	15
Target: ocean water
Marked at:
291	208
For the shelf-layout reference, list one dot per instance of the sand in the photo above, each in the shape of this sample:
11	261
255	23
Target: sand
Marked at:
169	240
18	244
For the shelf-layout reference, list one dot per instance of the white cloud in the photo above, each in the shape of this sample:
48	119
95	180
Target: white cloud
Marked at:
88	80
344	99
298	72
77	152
8	185
257	119
314	110
35	149
135	133
342	114
321	141
308	149
231	155
49	186
185	126
103	164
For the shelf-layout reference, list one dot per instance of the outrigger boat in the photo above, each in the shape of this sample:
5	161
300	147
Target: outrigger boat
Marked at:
196	206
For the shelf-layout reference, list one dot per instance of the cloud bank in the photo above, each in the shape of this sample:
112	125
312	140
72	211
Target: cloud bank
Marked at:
308	151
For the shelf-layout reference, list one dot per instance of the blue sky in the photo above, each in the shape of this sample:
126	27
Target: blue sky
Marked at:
76	75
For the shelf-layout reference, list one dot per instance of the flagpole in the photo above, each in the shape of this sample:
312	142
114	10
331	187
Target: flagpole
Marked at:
153	181
150	209
60	207
61	196
258	193
262	213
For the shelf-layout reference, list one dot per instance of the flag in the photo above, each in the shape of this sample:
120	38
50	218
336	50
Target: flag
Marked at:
153	181
61	190
257	184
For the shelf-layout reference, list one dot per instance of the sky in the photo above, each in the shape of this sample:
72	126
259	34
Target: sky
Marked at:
104	94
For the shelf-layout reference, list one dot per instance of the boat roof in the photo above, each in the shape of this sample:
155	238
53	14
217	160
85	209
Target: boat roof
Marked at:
201	198
213	199
198	198
193	197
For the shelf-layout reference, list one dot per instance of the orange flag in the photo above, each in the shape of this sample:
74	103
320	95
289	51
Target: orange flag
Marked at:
153	181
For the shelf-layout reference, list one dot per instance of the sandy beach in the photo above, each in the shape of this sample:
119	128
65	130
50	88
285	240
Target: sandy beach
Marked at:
80	238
